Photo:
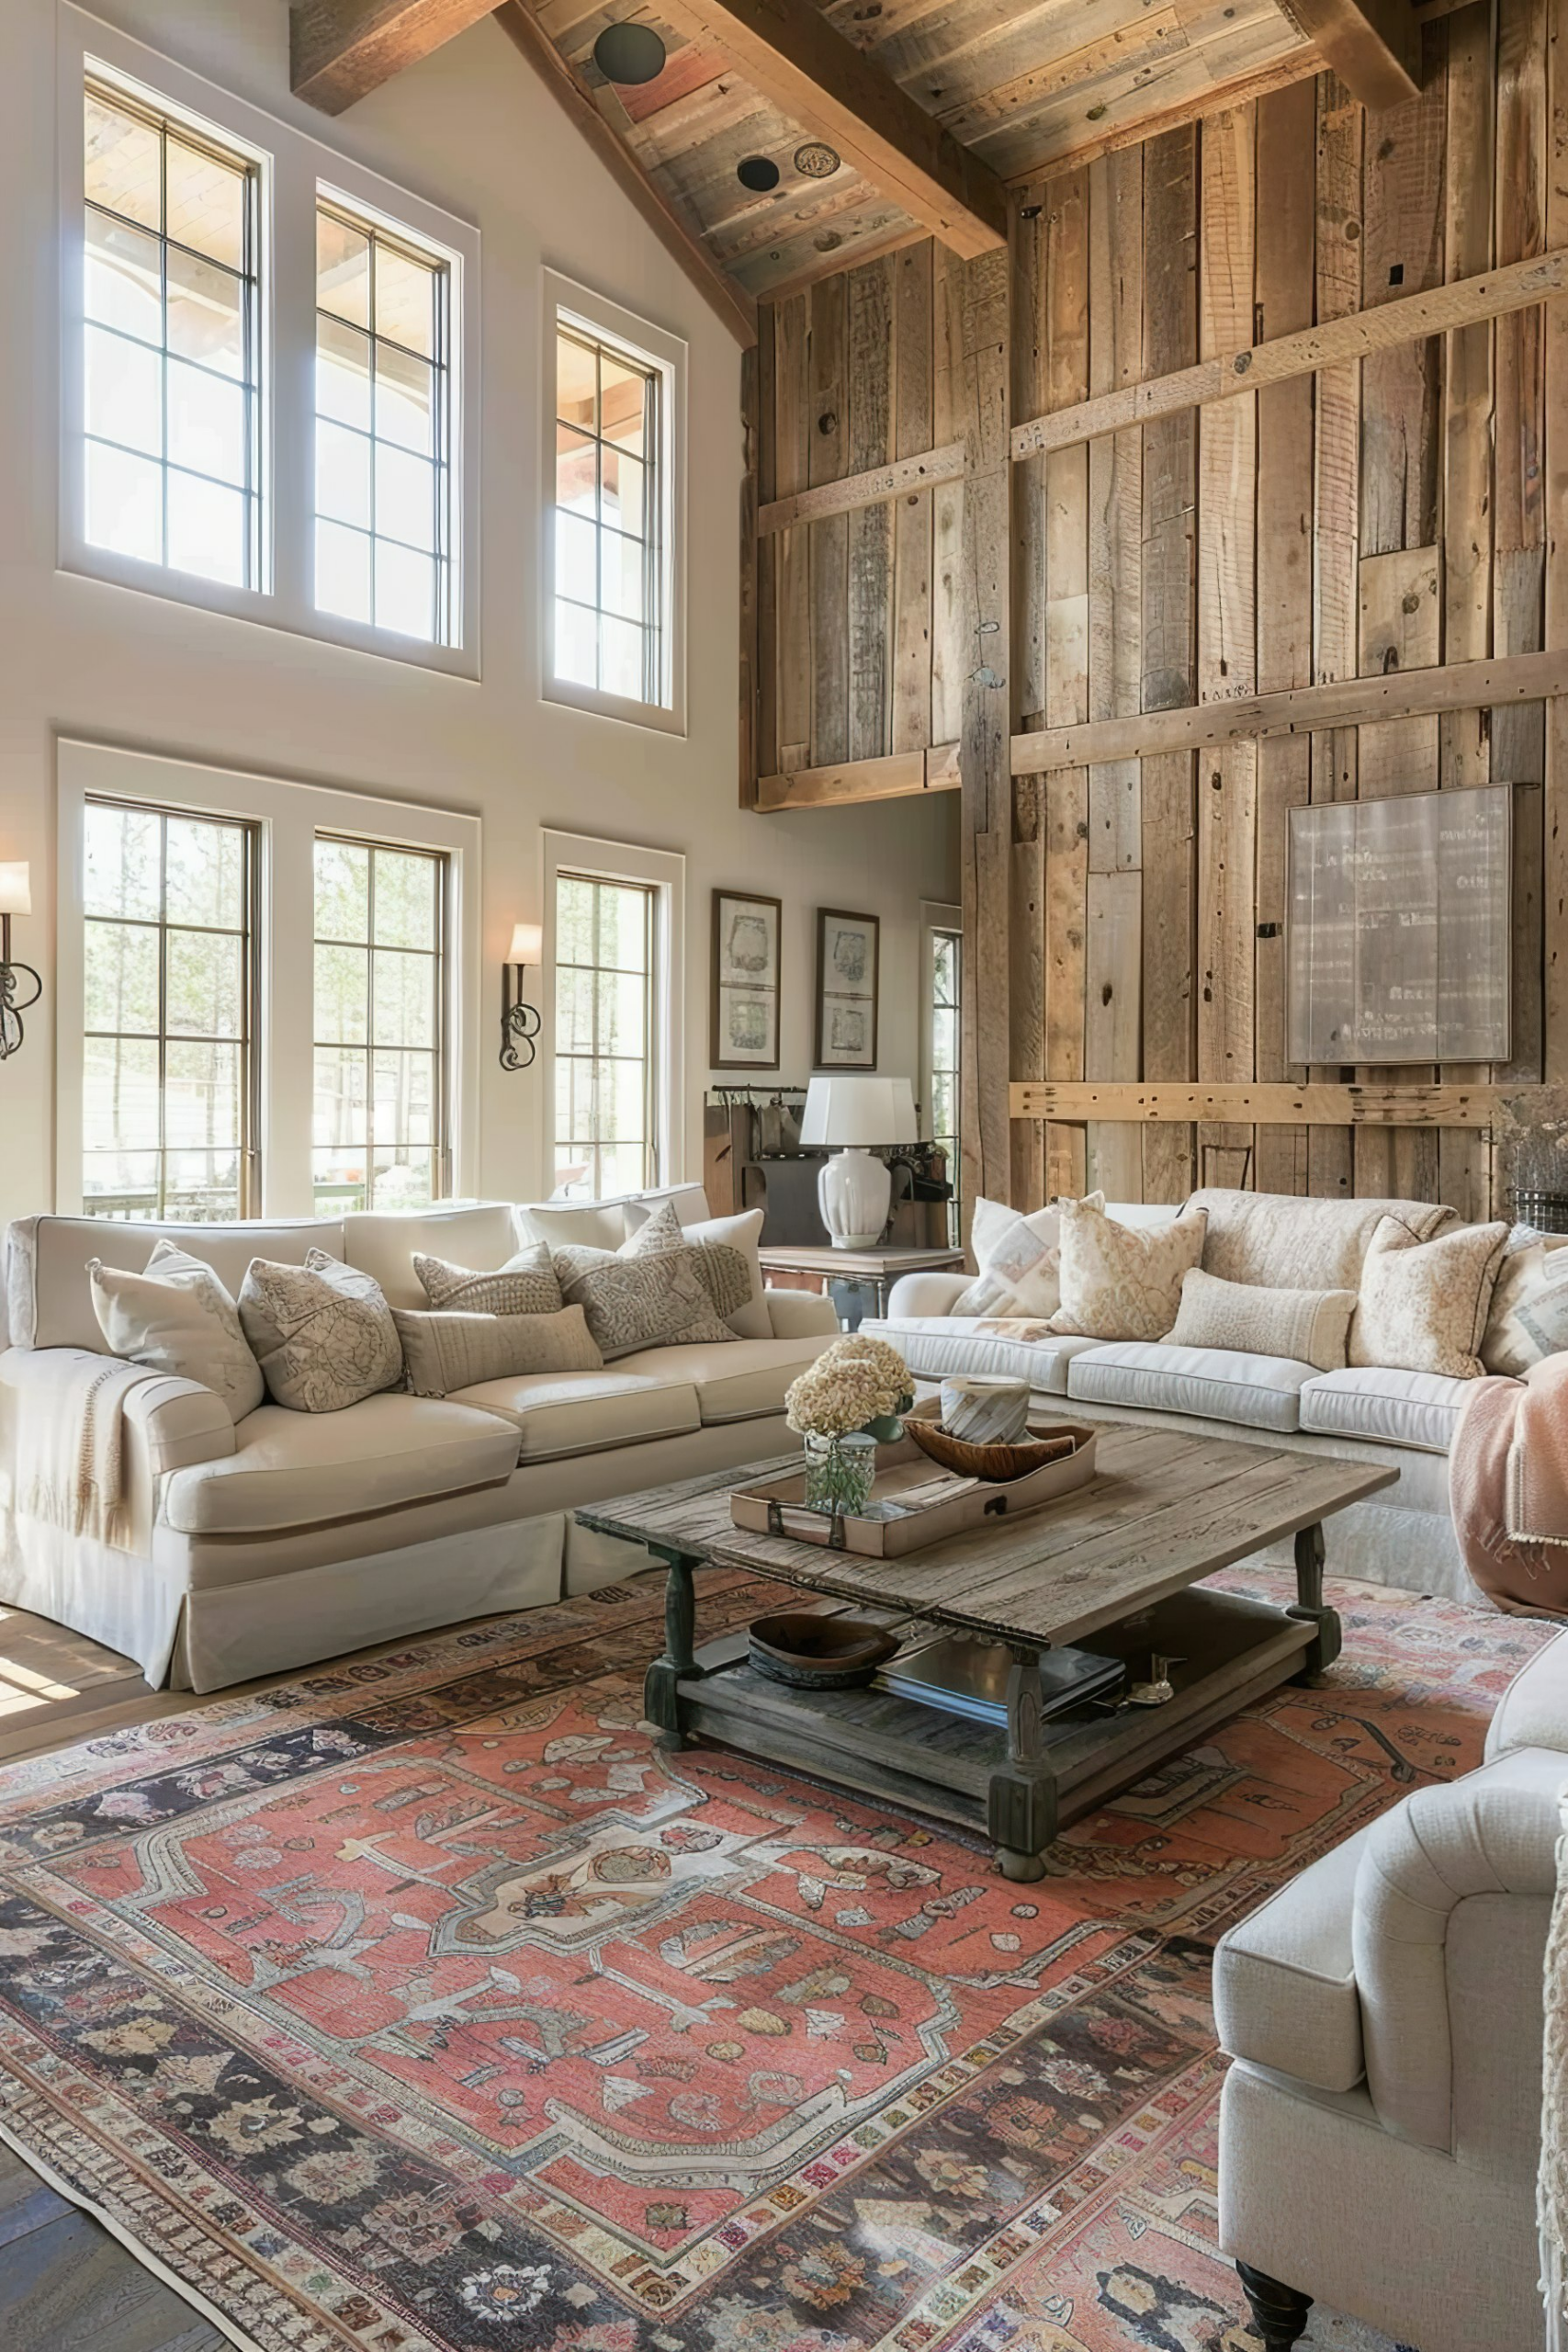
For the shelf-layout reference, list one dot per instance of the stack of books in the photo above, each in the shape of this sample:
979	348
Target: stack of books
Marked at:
967	1678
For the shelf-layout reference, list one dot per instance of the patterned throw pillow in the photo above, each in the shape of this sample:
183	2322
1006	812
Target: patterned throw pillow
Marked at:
1424	1303
177	1318
721	1269
1308	1326
527	1284
630	1302
323	1332
1528	1320
1019	1259
1123	1281
446	1352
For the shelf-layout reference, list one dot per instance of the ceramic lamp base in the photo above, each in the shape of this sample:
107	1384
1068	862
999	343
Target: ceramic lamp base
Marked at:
854	1192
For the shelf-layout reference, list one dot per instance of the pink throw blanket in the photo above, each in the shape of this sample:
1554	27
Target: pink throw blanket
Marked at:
1509	1488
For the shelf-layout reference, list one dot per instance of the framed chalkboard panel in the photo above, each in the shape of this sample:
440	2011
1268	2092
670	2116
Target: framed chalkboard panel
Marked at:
1397	945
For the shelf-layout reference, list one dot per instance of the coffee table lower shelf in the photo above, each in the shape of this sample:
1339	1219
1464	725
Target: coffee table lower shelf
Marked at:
1018	1785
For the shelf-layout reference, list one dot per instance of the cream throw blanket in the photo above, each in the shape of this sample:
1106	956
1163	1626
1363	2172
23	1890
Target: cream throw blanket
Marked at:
1553	2195
70	1443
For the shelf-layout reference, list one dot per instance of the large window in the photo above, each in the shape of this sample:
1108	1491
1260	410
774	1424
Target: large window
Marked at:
381	1026
168	1118
606	1074
171	343
940	1057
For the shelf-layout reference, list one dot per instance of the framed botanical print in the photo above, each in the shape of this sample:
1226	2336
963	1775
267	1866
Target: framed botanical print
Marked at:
744	1024
848	948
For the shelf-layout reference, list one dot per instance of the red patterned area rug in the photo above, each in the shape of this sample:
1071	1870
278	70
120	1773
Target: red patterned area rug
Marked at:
424	2006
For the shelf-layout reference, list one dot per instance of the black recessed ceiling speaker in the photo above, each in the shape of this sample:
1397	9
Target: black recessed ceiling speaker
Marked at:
817	162
629	53
759	173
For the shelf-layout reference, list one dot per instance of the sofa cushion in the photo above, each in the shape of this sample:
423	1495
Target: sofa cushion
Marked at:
447	1351
523	1283
1310	1326
1120	1282
382	1242
1216	1384
49	1303
1019	1261
1016	1349
1285	1992
178	1318
1293	1243
1421	1409
650	1231
738	1380
557	1413
322	1333
294	1469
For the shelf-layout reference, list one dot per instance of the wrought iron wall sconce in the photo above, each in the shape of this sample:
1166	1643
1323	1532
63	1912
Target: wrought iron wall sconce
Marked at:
16	995
519	1021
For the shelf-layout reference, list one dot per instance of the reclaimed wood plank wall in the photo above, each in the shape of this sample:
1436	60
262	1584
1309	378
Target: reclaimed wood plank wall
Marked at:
1399	510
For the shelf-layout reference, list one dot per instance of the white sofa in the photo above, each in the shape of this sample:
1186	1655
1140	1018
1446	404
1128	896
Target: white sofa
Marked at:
1404	1419
295	1536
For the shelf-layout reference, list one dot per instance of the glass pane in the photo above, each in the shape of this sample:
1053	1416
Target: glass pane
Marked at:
342	374
574	919
205	984
574	1012
576	567
405	900
206	314
404	1013
341	1113
124	285
199	1186
623	571
201	1101
207	422
122	1184
125	503
119	1093
620	1001
342	890
208	530
342	996
574	1101
121	164
623	928
623	492
207	203
342	474
125	392
405	497
405	300
403	1108
621	659
941	1104
403	1177
343	269
623	1167
576	471
577	645
122	850
623	396
575	375
121	966
405	401
339	1180
405	590
343	571
205	874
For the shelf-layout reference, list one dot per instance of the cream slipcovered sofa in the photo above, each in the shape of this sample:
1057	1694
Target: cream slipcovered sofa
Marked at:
1380	2129
294	1536
1406	1419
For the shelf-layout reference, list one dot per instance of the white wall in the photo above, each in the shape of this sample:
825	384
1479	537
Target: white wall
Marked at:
472	131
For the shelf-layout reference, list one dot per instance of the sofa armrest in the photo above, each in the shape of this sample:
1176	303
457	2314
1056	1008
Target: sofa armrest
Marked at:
1533	1710
1491	1834
175	1424
926	1294
801	1314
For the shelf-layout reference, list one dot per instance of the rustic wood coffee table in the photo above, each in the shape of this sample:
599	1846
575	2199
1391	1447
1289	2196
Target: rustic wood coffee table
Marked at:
1115	1566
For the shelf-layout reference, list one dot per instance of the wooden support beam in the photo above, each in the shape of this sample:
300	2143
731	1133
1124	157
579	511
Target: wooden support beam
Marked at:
1374	46
904	475
789	53
896	777
731	301
1345	702
1261	1105
1437	311
339	51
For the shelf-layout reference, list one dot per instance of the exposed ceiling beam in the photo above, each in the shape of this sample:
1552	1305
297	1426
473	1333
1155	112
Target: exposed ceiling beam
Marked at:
733	304
1374	46
342	49
790	54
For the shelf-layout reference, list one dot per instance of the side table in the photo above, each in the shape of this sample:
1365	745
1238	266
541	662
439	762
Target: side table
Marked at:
848	1275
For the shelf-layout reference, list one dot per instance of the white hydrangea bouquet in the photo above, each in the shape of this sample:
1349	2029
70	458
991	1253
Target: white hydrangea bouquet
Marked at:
844	1405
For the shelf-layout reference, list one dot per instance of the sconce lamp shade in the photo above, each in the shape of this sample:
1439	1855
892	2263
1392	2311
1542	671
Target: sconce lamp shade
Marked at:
527	943
857	1112
15	890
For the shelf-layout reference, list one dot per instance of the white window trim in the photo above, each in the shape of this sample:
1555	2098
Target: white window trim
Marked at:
290	815
292	167
665	871
934	917
667	353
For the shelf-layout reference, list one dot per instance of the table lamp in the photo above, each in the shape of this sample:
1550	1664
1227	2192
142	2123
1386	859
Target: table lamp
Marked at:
854	1192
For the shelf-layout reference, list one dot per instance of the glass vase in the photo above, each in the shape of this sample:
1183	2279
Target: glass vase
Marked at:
839	1471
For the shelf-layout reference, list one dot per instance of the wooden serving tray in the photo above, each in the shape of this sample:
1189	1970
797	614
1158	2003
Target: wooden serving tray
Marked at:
776	1505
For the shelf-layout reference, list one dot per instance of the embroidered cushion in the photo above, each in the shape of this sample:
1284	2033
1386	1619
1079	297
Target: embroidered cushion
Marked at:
1018	1261
1529	1319
656	1301
177	1318
720	1240
1123	1281
443	1351
323	1332
1305	1326
1423	1304
527	1284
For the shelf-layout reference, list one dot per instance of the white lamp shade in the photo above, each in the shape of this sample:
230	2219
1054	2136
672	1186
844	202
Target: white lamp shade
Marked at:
527	943
857	1112
15	889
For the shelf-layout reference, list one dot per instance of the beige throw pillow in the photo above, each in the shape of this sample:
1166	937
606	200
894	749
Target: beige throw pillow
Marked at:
1307	1326
1123	1281
659	1301
527	1284
1424	1303
323	1332
177	1318
446	1351
725	1254
1019	1261
1528	1320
